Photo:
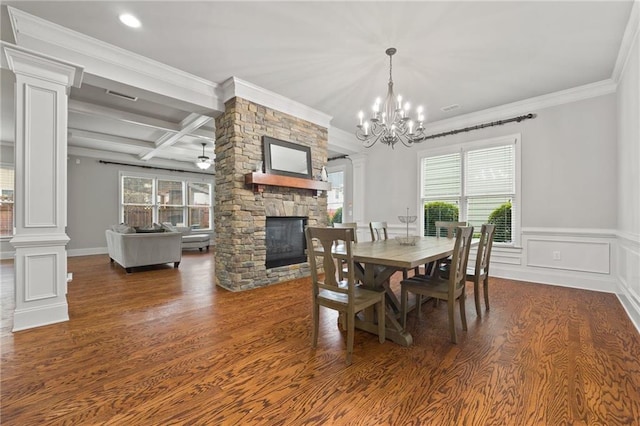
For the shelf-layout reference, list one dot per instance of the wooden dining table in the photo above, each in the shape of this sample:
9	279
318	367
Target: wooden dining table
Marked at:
377	261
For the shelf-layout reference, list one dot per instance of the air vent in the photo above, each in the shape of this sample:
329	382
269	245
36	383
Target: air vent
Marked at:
121	95
449	107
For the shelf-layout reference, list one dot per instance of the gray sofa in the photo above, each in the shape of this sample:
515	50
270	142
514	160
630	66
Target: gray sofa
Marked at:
189	239
141	249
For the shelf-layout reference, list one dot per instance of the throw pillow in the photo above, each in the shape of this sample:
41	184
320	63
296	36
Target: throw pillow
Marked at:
123	229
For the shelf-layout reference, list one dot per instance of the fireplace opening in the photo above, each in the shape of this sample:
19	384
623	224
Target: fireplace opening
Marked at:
285	241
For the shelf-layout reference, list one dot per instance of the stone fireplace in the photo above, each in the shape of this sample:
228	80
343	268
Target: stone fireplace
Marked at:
241	211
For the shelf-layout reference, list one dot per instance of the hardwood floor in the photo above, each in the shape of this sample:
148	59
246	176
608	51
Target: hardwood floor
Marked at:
166	346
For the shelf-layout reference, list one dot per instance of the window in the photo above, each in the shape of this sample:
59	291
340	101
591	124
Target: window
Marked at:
150	199
199	207
6	200
476	183
335	197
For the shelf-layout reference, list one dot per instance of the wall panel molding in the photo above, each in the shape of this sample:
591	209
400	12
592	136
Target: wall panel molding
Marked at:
38	268
628	275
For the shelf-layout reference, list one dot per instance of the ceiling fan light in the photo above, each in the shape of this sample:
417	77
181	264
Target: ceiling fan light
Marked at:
203	162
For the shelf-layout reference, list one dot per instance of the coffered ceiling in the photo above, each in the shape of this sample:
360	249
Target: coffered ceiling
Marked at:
331	57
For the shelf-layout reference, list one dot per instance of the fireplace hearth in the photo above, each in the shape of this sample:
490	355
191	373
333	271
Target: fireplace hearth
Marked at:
285	241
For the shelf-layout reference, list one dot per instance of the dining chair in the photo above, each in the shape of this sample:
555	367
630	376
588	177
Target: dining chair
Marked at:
343	296
378	231
442	265
480	274
354	226
450	289
450	227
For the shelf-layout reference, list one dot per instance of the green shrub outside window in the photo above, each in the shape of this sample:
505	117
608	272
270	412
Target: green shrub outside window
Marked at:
438	211
501	217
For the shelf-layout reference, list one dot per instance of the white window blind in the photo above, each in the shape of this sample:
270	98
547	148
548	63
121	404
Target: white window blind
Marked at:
442	176
475	183
490	171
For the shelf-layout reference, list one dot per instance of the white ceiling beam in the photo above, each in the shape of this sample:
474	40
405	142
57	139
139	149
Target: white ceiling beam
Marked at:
110	141
189	124
87	108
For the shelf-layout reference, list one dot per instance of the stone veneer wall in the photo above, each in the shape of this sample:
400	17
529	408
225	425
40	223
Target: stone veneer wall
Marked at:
240	214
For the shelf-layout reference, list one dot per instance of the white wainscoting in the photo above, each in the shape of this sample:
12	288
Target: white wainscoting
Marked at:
628	275
568	257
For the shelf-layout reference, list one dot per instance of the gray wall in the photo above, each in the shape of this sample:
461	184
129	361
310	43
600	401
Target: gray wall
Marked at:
569	159
93	201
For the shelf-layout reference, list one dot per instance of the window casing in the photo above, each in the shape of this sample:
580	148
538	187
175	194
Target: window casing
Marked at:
335	197
479	179
148	199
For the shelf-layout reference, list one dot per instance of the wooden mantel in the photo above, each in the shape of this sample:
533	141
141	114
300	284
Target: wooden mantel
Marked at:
260	180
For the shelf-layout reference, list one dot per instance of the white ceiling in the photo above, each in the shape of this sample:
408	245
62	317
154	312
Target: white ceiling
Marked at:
330	55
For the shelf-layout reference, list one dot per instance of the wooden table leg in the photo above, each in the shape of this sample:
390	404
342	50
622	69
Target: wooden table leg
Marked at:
376	277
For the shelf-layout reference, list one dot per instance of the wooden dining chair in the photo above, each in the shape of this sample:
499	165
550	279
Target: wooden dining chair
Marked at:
480	274
341	295
450	289
352	225
450	227
378	231
442	265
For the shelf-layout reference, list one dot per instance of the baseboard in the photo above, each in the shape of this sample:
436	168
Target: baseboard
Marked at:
37	317
633	312
87	251
593	282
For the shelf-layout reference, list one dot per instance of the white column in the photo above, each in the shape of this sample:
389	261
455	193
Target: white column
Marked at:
359	178
42	85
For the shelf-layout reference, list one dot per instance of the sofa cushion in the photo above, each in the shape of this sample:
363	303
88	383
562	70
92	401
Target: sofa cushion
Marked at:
123	229
168	226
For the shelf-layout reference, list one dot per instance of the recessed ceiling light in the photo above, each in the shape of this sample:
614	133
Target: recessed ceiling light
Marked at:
129	20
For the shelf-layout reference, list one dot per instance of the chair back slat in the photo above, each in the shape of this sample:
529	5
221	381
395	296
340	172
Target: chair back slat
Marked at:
484	249
458	272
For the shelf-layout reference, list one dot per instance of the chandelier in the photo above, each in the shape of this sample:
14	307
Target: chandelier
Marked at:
203	162
390	122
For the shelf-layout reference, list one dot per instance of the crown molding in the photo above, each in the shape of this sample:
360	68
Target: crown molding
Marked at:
343	141
112	63
35	64
567	96
628	39
235	87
